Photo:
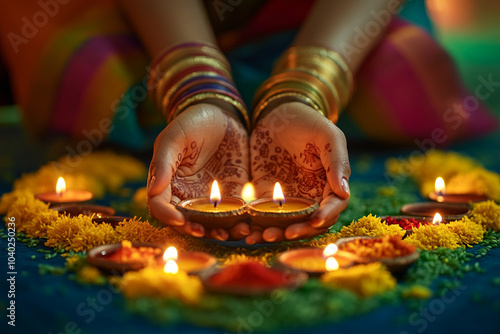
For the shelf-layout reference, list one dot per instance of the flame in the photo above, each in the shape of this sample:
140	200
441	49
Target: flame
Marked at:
437	219
331	264
215	194
60	186
278	196
330	250
171	267
170	254
248	192
439	186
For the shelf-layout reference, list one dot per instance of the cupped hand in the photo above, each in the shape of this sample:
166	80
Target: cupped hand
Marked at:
304	151
205	142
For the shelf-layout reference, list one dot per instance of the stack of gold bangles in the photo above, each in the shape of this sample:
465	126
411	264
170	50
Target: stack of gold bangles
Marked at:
314	75
190	73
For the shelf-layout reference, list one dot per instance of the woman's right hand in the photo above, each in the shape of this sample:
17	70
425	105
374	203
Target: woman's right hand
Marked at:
205	142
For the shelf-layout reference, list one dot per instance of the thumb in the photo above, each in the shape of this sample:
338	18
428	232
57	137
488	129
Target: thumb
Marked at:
335	160
167	155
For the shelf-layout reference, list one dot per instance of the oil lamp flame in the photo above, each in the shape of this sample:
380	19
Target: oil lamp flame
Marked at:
60	186
331	264
170	254
215	194
278	196
248	192
171	267
437	219
330	250
439	186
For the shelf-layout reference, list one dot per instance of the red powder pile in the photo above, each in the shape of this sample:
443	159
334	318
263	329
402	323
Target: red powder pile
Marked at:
129	254
249	274
406	224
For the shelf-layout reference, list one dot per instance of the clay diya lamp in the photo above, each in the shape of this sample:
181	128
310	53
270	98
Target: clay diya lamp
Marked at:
63	195
125	256
316	261
395	264
280	212
73	210
449	211
192	263
214	212
440	194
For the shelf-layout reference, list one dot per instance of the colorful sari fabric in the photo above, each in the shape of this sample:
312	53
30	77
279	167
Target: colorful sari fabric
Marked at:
77	69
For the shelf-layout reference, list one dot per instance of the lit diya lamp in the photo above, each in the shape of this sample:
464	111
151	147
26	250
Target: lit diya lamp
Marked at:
440	194
189	262
214	212
279	212
63	195
316	261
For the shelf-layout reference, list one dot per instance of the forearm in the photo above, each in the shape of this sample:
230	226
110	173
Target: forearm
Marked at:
161	24
351	27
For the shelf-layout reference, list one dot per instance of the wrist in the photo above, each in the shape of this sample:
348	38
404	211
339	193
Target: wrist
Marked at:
193	73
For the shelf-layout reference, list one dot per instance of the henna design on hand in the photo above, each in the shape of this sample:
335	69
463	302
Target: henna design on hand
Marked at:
299	171
227	165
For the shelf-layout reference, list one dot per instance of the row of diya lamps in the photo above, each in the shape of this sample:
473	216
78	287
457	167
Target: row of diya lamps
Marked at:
223	212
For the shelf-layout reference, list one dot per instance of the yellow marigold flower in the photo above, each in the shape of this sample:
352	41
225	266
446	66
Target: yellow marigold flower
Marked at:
487	214
142	231
33	216
418	292
364	280
91	275
461	174
9	198
328	238
371	226
468	231
430	237
89	172
155	283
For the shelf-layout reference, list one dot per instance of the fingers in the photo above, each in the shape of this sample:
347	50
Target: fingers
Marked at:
161	207
239	231
166	157
218	234
303	231
193	229
335	159
273	234
329	208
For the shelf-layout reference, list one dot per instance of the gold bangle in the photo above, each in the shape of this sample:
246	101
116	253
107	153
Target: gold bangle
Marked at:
309	84
267	102
185	64
295	87
346	73
212	95
167	96
181	54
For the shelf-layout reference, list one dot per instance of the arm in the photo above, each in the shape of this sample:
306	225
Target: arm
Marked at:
163	23
186	151
339	26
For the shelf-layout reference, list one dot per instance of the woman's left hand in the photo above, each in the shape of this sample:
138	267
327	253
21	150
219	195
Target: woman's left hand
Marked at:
307	154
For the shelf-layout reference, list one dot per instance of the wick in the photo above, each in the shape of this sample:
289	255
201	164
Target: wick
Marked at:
280	204
215	205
